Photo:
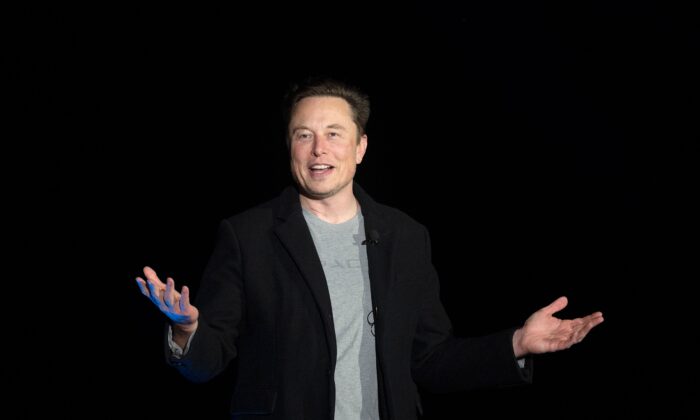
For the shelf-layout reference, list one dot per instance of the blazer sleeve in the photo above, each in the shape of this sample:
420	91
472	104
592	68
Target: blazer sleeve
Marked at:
442	362
221	305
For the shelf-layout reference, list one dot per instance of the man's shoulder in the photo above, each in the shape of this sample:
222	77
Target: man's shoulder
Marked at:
263	215
255	215
397	217
385	214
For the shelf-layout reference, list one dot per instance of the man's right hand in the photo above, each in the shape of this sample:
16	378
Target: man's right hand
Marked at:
176	306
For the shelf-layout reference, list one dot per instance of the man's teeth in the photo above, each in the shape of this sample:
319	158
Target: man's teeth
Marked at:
321	167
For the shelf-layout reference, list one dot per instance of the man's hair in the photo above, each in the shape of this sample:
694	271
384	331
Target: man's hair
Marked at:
358	100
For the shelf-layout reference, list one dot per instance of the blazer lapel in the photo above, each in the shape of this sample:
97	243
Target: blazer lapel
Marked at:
294	234
378	258
379	253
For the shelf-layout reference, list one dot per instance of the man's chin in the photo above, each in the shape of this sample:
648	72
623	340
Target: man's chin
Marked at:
318	195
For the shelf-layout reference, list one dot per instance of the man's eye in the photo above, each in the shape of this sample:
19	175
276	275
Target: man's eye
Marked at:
303	136
333	134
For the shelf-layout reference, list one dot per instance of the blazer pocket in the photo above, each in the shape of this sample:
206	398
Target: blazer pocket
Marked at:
257	401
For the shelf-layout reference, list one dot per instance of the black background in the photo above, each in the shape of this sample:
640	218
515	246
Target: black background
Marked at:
550	149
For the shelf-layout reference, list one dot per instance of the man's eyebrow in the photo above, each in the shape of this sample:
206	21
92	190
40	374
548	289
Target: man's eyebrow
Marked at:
336	126
299	127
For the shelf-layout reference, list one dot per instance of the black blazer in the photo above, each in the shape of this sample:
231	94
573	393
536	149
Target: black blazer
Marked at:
264	302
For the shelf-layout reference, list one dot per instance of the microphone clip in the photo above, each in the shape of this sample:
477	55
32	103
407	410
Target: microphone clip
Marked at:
373	238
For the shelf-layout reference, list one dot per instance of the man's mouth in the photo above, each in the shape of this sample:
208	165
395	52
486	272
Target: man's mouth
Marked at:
320	168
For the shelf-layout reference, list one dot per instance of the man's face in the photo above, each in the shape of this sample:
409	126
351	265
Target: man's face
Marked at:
323	146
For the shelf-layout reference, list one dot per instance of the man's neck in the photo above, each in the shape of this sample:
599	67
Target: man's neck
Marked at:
339	208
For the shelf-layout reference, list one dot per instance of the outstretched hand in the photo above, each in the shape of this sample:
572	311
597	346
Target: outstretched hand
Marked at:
544	333
174	305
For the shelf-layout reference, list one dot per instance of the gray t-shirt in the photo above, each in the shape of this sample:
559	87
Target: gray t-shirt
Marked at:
344	261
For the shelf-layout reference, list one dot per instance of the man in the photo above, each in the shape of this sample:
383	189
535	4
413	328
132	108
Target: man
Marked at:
329	300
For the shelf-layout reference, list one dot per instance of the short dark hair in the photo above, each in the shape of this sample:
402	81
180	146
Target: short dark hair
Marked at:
358	100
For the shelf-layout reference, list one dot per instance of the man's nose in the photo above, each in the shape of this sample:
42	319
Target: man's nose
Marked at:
319	146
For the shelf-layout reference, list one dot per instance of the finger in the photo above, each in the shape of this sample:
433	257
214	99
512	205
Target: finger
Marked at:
586	327
556	306
169	292
142	286
155	293
581	323
152	276
595	317
184	299
592	323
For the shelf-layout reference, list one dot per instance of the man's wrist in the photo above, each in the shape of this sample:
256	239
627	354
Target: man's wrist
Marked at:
184	329
518	349
182	333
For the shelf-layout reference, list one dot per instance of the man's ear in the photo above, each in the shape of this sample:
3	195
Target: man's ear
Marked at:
361	149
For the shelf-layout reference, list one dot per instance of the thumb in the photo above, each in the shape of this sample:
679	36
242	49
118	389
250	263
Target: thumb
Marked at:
556	306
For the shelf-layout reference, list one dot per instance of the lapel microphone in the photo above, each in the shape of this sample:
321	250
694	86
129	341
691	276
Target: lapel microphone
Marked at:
373	238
